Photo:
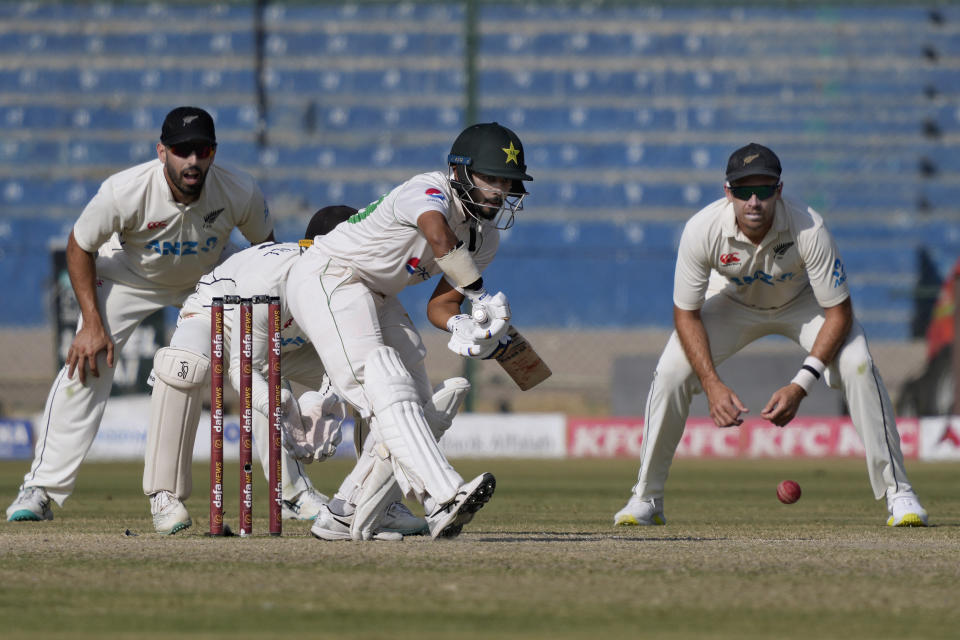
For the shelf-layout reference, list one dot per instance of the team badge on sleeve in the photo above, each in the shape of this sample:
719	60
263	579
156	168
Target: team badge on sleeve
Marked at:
413	268
839	273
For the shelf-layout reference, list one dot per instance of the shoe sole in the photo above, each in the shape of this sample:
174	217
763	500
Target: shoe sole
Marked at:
329	535
180	526
909	520
332	536
25	515
471	504
627	520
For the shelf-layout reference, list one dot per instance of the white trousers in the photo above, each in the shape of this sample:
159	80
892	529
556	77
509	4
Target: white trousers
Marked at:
730	327
345	322
167	467
71	417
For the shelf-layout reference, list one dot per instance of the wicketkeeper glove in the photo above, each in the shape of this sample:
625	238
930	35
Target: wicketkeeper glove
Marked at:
312	427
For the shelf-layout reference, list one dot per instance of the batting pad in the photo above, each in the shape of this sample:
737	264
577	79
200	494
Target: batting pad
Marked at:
443	406
175	406
377	490
400	425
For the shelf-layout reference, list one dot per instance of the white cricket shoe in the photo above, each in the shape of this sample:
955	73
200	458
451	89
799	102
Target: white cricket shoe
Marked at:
447	520
905	510
306	506
640	511
400	519
169	514
32	503
331	526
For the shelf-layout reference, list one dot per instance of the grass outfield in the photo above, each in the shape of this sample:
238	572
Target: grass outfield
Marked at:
540	561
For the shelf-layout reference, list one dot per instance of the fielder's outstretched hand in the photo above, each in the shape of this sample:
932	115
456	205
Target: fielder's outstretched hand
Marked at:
783	404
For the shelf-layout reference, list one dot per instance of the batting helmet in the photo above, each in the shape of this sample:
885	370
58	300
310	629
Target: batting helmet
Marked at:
490	149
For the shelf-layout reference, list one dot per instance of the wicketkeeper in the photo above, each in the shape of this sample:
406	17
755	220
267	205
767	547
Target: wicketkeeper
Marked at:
311	426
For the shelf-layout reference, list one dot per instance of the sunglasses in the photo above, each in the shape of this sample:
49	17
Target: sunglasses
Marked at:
184	150
762	191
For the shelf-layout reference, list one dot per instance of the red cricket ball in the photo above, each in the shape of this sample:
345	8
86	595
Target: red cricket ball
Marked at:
788	491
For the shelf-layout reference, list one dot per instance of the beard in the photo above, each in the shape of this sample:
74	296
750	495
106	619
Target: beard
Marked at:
193	188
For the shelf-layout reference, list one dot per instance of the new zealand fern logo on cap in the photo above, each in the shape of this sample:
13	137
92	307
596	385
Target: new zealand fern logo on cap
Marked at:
512	154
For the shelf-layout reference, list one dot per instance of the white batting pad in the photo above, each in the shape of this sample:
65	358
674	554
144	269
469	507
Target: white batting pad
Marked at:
441	408
400	425
174	414
180	368
377	491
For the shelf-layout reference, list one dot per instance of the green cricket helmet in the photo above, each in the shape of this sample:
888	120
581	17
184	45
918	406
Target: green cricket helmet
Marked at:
492	150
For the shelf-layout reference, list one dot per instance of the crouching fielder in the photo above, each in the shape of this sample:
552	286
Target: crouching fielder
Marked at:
783	275
343	293
181	376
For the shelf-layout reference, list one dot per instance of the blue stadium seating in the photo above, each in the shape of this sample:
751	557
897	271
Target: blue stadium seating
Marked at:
619	120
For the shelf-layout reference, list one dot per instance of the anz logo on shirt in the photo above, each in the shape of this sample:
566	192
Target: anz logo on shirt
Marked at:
760	276
297	340
839	273
185	248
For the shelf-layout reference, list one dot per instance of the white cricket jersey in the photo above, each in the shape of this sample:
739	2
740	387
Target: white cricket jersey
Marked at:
797	254
258	270
147	239
384	246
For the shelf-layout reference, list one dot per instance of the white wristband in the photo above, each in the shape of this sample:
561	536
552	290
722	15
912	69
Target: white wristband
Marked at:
459	265
809	373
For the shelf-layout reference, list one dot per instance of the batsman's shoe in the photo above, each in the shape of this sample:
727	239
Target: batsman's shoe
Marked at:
447	520
331	526
905	510
305	506
400	519
169	514
640	511
32	503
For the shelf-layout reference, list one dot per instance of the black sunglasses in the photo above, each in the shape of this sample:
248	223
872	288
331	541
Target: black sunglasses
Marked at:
762	191
185	149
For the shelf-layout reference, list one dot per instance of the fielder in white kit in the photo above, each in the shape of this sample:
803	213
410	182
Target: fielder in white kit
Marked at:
140	245
780	273
312	426
343	291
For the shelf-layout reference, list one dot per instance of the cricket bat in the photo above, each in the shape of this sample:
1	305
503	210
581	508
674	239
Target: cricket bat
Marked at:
522	363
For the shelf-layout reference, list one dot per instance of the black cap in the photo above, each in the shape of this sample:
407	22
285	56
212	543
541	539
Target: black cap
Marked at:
753	160
187	124
324	220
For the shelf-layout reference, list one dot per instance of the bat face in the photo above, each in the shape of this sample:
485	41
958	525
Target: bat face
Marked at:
522	363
